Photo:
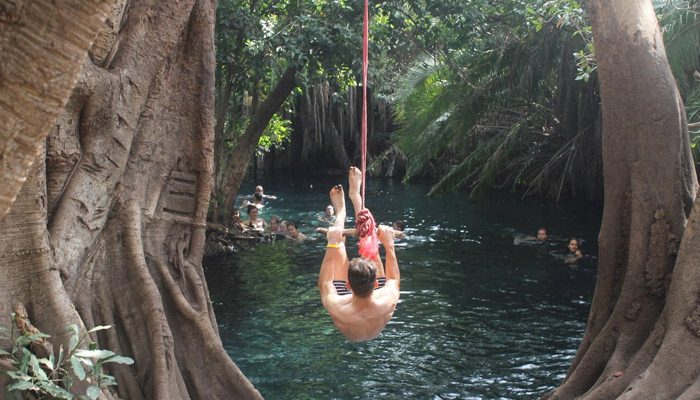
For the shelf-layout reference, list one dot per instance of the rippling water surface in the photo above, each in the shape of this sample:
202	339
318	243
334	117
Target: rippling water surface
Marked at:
479	317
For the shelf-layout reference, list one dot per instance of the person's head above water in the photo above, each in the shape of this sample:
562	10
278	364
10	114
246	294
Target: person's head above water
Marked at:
398	225
573	245
252	210
259	190
361	277
275	223
542	234
292	229
330	211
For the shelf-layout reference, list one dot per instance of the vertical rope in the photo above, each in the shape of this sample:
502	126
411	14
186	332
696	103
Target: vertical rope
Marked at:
366	232
365	63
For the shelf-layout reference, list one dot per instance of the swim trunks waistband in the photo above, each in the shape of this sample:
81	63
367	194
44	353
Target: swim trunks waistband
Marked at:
342	288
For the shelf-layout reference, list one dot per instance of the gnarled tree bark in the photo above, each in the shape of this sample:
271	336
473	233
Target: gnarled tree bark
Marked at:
643	334
119	203
34	92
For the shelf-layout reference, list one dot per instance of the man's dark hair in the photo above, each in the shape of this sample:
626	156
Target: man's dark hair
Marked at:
292	223
361	276
400	225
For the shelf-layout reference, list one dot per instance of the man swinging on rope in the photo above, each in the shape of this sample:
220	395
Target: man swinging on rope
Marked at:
348	288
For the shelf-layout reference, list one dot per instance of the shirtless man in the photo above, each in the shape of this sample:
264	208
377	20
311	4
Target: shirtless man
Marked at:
360	312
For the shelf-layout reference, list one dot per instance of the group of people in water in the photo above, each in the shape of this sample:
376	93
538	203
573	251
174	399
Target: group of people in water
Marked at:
572	254
256	224
361	294
276	226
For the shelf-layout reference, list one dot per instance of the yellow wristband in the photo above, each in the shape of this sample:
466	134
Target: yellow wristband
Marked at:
333	246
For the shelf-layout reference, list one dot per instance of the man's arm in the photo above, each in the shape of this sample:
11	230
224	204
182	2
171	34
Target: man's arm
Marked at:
335	254
391	267
346	232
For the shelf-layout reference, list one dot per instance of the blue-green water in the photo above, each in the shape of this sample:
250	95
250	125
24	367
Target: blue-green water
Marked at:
479	317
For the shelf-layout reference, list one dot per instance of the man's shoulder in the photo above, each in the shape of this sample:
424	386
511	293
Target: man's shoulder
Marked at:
389	291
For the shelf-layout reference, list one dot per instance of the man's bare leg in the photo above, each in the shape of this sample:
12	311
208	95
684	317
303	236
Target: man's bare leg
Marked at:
340	271
354	184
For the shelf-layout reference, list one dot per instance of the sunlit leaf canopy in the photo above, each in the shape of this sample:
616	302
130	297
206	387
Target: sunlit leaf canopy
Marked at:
487	94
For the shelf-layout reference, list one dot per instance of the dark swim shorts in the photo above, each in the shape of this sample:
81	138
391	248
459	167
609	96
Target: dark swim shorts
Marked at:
341	287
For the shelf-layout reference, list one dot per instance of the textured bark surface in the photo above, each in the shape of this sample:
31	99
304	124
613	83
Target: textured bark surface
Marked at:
33	92
642	339
109	227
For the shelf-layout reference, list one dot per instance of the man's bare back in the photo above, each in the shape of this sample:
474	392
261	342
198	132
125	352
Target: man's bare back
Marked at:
358	317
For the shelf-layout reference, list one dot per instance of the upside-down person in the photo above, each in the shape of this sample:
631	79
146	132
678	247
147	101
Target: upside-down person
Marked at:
358	296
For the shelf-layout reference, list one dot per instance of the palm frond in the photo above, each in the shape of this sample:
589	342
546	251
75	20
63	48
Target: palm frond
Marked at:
681	27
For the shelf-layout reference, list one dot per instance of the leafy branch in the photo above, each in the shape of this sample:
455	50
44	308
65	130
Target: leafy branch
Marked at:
53	377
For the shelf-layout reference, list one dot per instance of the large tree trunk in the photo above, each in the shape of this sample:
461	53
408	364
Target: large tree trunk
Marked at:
119	206
34	92
643	334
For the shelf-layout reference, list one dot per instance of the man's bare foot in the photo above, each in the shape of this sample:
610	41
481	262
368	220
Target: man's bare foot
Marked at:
354	181
337	198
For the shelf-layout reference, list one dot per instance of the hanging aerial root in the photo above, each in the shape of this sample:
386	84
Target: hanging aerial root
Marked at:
152	304
182	305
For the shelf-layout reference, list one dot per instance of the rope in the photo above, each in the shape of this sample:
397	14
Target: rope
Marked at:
366	227
365	63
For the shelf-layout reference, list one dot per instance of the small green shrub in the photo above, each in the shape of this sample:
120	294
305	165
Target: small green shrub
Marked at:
53	377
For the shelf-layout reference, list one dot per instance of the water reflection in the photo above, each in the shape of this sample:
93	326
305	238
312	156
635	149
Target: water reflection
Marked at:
479	318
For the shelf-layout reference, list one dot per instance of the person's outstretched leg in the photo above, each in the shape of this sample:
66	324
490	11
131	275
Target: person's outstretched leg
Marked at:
354	184
340	269
334	266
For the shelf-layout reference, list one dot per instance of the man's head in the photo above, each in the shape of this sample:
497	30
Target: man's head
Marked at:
330	210
398	225
361	277
236	215
292	229
542	234
275	223
259	190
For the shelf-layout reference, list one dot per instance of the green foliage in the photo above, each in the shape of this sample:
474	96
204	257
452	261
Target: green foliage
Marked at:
680	24
54	376
490	110
276	134
692	106
488	94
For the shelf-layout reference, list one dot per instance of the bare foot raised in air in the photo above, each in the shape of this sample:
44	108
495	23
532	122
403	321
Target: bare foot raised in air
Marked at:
337	198
354	183
354	180
338	201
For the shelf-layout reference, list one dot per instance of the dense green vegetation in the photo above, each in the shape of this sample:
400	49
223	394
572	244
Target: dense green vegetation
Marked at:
486	95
